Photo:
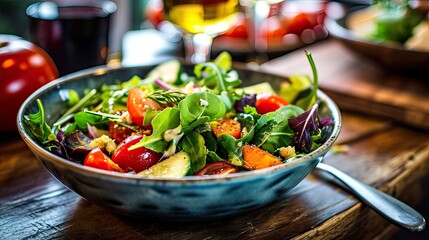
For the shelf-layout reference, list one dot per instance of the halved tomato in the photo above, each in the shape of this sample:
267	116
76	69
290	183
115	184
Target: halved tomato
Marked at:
97	159
137	103
136	160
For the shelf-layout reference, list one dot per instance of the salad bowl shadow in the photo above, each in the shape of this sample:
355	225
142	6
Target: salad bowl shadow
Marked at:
191	198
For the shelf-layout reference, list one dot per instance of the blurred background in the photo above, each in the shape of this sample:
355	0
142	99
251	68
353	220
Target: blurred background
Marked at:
127	42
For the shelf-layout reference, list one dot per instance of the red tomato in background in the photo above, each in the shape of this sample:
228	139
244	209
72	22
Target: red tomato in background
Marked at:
239	29
97	159
155	12
137	103
24	68
272	28
298	16
138	159
298	23
268	102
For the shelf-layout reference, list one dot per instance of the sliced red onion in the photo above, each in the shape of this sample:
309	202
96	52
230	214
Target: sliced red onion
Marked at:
164	85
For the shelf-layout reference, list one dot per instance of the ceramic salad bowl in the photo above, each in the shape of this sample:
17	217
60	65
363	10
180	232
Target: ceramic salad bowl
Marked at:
191	198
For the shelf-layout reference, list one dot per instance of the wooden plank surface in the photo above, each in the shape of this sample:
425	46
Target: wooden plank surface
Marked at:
358	84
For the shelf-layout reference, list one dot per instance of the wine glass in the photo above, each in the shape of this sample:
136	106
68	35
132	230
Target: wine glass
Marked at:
257	11
200	21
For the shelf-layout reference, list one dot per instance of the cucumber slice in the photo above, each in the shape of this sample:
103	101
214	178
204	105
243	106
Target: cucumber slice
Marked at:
175	166
168	72
263	87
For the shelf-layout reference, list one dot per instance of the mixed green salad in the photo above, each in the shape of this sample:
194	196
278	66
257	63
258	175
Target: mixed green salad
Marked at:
395	21
174	124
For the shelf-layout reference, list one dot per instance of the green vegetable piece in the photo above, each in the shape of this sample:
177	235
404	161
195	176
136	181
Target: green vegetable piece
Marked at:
224	82
193	144
263	87
133	82
307	102
175	166
148	116
84	118
70	112
199	108
169	118
281	135
233	148
168	72
298	84
38	127
73	97
224	60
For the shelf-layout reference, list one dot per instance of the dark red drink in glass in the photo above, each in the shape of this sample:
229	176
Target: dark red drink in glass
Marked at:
74	33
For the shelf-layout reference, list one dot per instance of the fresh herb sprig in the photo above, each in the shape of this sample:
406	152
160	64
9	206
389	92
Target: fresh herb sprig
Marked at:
169	98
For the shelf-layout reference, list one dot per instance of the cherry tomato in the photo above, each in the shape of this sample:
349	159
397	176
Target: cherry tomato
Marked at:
97	159
135	160
137	103
226	126
24	68
269	102
217	168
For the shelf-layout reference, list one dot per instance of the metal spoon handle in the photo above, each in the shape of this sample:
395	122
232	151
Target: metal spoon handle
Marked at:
387	206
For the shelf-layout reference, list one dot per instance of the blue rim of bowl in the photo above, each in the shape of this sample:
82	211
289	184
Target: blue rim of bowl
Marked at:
241	176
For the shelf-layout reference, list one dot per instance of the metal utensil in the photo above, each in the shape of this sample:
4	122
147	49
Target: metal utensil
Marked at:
387	206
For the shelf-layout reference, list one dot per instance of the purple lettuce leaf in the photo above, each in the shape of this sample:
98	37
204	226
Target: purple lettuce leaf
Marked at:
247	100
303	125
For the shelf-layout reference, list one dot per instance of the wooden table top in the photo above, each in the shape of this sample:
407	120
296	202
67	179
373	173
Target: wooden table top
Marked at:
388	155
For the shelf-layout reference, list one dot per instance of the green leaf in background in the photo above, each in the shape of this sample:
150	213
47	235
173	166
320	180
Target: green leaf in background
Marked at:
223	60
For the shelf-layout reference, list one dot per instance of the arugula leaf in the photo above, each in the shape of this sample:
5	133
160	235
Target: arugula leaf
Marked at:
38	127
169	118
84	118
303	126
310	99
224	82
70	112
